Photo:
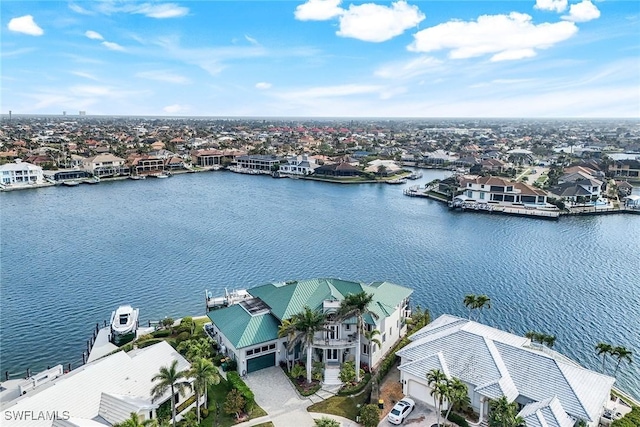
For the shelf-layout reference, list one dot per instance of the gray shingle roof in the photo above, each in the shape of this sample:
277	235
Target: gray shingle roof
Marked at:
546	413
499	363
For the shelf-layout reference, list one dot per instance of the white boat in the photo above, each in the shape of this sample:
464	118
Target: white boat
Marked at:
137	177
162	175
124	324
71	183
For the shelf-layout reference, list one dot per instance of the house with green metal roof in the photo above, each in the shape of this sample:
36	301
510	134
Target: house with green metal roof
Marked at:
247	329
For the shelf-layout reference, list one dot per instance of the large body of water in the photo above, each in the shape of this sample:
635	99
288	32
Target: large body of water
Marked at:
72	255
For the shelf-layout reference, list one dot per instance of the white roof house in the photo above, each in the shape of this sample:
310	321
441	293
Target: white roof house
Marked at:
494	363
20	173
99	393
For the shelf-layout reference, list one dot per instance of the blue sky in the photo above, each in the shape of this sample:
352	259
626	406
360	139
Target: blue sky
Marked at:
324	58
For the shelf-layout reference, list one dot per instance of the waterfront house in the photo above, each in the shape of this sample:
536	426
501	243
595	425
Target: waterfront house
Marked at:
259	162
105	165
20	173
146	164
493	363
579	191
503	191
104	392
249	330
628	170
299	165
390	167
206	158
338	169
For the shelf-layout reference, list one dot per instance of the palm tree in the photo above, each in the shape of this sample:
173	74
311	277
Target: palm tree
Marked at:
371	337
549	340
457	393
469	302
302	327
482	301
437	380
621	353
170	378
604	349
504	414
204	374
134	421
357	305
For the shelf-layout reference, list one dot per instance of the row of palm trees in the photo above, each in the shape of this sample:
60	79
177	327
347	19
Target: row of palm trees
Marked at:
618	352
202	373
542	338
451	390
302	327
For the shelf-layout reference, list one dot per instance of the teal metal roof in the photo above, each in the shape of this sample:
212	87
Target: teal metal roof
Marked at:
243	329
289	298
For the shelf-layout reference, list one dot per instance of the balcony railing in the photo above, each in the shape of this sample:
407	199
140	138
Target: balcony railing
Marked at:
334	343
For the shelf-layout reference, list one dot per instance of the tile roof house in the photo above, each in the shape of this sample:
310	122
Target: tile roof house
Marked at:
548	388
100	393
248	330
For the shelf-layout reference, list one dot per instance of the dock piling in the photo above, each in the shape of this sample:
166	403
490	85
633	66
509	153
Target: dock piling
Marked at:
28	372
84	358
6	375
97	327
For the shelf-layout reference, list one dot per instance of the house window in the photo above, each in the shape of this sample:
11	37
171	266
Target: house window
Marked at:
272	346
369	328
249	352
509	189
347	327
150	415
384	337
176	398
365	348
482	186
482	195
265	347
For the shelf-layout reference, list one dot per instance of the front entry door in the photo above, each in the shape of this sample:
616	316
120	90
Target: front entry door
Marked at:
332	355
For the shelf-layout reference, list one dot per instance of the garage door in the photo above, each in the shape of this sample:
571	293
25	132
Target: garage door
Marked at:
419	391
261	362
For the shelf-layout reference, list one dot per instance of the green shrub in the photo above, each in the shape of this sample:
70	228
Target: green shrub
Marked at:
161	333
236	382
217	359
370	415
455	418
348	390
326	422
204	412
149	342
182	336
145	337
632	419
298	371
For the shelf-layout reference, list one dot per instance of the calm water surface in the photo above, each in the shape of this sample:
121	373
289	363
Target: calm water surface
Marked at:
72	255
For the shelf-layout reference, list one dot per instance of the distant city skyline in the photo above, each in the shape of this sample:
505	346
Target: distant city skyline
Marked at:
322	58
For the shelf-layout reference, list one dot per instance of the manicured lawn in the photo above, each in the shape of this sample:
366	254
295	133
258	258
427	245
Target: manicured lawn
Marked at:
217	395
199	323
344	406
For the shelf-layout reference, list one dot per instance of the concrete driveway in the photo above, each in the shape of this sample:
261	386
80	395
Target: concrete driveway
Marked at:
276	395
422	415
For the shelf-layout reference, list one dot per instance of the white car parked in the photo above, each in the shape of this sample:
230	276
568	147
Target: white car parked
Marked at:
401	411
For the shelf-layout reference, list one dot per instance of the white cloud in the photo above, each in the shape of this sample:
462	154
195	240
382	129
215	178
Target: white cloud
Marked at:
151	10
161	11
79	9
85	75
374	23
175	108
552	5
408	69
582	12
84	90
93	35
251	40
263	85
26	25
318	10
508	37
163	76
113	46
